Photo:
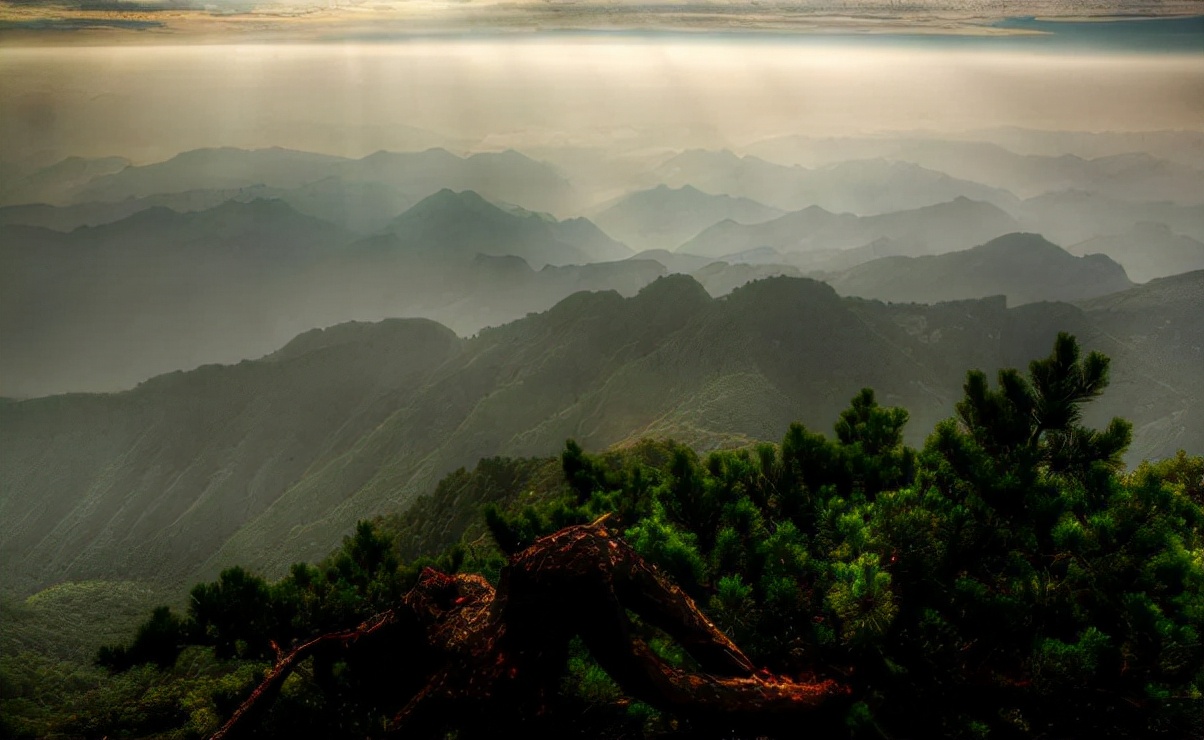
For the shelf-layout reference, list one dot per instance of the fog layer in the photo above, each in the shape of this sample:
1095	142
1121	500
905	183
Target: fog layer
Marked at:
151	102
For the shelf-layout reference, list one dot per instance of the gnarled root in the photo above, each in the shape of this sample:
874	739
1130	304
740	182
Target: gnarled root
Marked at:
498	656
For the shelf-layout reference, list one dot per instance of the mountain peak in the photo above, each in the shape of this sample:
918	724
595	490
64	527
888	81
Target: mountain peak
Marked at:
783	293
1020	242
676	288
448	198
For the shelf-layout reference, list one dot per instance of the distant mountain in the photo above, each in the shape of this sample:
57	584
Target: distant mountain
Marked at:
676	262
664	217
1147	251
507	175
102	308
1185	146
1024	267
450	224
1125	175
109	305
71	217
721	278
862	187
1073	216
362	207
210	169
928	230
56	183
500	289
268	462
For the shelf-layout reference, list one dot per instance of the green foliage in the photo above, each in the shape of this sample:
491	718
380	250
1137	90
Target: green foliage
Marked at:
673	548
159	641
46	699
1007	580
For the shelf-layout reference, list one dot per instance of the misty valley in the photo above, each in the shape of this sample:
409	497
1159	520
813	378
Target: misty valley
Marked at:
705	424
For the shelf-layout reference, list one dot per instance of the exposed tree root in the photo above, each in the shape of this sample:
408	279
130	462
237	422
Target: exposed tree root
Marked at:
495	659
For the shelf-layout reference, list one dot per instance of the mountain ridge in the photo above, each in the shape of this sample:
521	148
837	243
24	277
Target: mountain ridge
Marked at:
1025	267
360	419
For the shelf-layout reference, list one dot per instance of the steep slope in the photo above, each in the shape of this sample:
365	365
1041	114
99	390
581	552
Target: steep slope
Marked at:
158	477
1160	349
664	217
943	227
1024	267
1147	251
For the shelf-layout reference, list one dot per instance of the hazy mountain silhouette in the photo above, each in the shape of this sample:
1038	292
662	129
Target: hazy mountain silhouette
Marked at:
465	224
211	169
505	176
863	187
1147	251
721	278
1128	175
664	217
55	183
109	305
270	461
363	207
1182	146
679	262
1024	267
943	227
1073	216
105	307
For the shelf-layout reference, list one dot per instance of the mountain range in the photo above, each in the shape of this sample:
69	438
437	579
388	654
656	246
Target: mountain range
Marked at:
664	217
102	308
501	176
271	461
465	224
1147	251
863	187
944	227
1025	268
1128	175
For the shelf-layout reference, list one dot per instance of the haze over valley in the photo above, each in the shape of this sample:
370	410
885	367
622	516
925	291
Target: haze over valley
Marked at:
115	272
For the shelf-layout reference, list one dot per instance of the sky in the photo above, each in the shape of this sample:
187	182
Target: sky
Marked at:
313	81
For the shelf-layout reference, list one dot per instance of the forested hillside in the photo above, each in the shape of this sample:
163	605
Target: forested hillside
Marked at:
270	461
1008	578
